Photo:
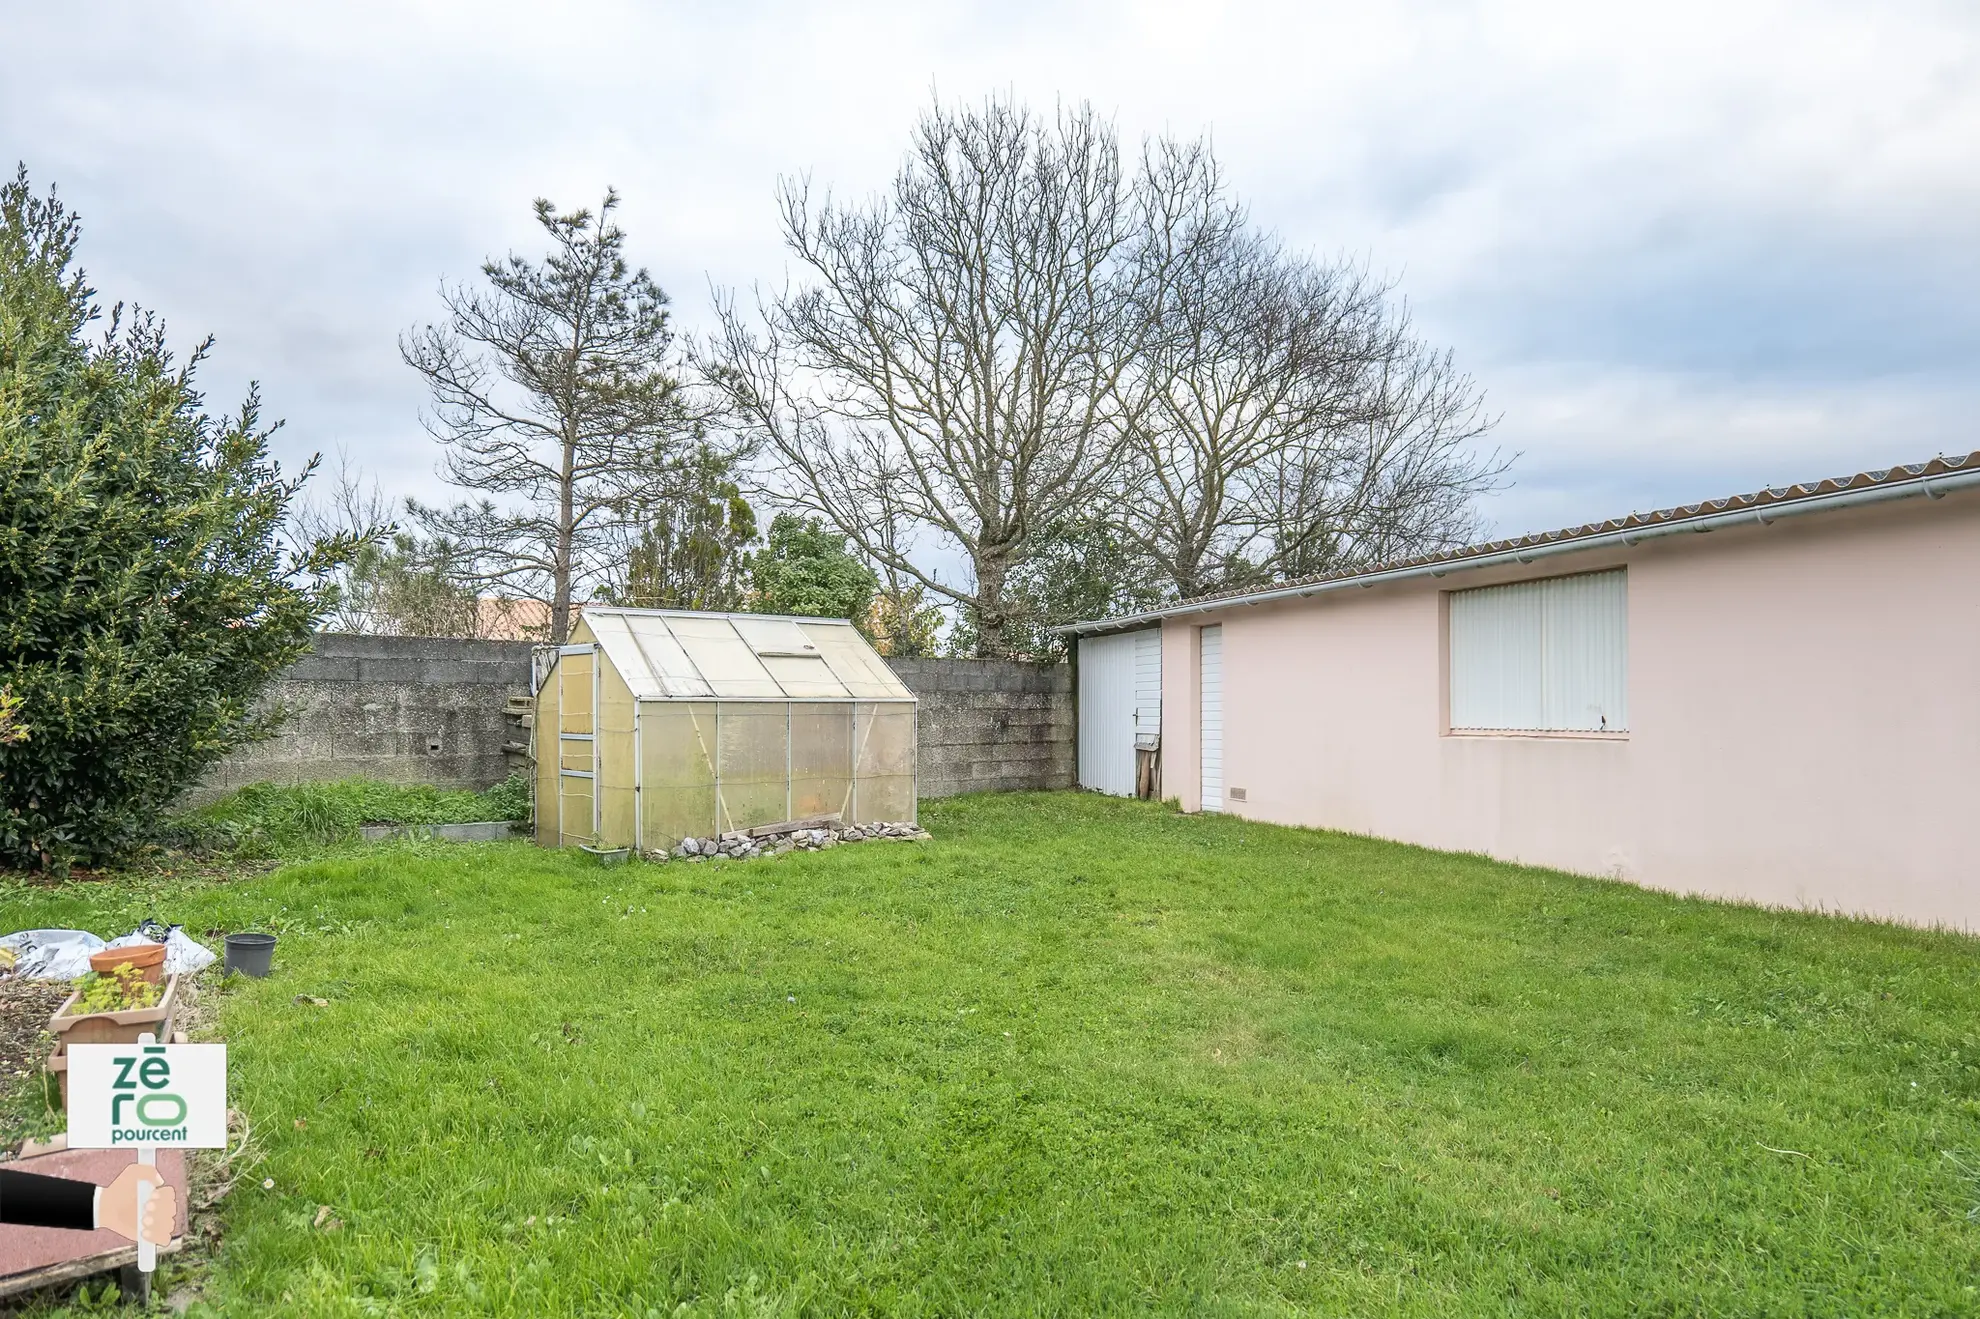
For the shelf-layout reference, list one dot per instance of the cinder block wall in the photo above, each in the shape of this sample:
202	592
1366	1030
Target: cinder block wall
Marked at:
992	725
424	710
404	709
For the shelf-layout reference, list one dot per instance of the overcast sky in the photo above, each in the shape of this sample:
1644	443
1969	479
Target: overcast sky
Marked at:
1690	249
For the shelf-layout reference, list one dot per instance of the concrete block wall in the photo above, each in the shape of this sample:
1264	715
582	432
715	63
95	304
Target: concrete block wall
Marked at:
991	725
429	710
403	709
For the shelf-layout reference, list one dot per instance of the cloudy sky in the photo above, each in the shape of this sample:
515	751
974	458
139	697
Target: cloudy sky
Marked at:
1689	247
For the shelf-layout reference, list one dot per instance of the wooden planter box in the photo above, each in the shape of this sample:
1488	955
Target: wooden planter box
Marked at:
116	1027
108	1028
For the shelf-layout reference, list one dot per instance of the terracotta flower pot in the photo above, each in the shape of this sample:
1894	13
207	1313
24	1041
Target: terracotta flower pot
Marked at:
146	957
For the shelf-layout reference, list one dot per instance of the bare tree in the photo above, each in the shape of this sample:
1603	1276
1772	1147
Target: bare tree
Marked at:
1245	352
555	398
951	363
1283	418
1399	478
344	505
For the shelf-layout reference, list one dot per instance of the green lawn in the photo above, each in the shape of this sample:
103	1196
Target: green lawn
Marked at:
1077	1056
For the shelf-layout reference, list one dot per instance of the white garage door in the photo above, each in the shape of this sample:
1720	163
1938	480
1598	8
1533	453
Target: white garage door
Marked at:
1212	731
1120	689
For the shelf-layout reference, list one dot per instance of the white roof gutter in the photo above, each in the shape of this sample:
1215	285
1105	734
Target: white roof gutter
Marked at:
1936	487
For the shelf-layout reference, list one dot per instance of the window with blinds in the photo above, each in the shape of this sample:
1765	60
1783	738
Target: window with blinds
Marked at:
1542	657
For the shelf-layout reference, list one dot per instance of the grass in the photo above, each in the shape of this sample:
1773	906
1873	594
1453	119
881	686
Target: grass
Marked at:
279	819
1077	1056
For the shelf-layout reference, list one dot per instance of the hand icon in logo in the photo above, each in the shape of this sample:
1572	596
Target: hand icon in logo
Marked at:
118	1209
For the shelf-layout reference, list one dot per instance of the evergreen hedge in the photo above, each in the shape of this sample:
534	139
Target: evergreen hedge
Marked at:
146	597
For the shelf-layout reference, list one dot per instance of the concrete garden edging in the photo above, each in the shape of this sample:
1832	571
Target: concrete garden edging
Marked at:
482	831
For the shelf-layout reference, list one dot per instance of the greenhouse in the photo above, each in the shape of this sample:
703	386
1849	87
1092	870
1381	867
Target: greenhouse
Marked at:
656	725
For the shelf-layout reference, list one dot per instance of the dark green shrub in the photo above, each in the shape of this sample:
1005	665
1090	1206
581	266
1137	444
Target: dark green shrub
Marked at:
147	595
804	568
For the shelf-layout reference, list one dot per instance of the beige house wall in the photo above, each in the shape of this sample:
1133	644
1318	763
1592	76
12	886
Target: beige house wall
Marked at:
1804	705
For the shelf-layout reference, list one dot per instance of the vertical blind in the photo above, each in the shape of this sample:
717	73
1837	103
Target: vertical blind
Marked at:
1546	656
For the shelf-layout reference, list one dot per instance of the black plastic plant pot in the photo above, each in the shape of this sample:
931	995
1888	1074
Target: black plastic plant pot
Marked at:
250	954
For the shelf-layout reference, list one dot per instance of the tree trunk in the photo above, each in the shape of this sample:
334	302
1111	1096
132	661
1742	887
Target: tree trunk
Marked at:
560	602
992	627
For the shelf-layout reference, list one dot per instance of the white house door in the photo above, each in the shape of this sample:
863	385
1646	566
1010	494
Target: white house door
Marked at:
1211	725
1112	684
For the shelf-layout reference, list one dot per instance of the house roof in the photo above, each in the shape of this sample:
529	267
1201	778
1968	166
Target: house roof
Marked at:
512	618
1932	478
670	654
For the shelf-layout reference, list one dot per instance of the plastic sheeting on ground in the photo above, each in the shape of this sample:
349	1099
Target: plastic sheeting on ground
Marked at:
64	954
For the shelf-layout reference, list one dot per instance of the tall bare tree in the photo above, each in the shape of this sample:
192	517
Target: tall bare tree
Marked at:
1398	478
1279	411
1244	351
340	503
555	396
951	361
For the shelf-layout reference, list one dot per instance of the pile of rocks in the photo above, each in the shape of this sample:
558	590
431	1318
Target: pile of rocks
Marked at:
741	845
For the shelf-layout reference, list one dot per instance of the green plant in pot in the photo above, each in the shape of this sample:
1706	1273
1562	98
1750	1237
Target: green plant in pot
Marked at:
122	990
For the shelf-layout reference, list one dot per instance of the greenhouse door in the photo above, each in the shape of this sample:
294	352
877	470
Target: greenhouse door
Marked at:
577	745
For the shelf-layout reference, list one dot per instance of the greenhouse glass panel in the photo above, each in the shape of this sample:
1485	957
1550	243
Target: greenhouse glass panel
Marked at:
752	764
883	761
543	743
772	636
574	682
614	740
803	677
574	803
821	759
854	662
721	656
677	772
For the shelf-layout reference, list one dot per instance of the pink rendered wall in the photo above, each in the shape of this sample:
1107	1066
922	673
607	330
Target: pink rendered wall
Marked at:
1804	704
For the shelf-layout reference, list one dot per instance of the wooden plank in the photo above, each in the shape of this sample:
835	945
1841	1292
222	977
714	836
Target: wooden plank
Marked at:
54	1275
792	826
